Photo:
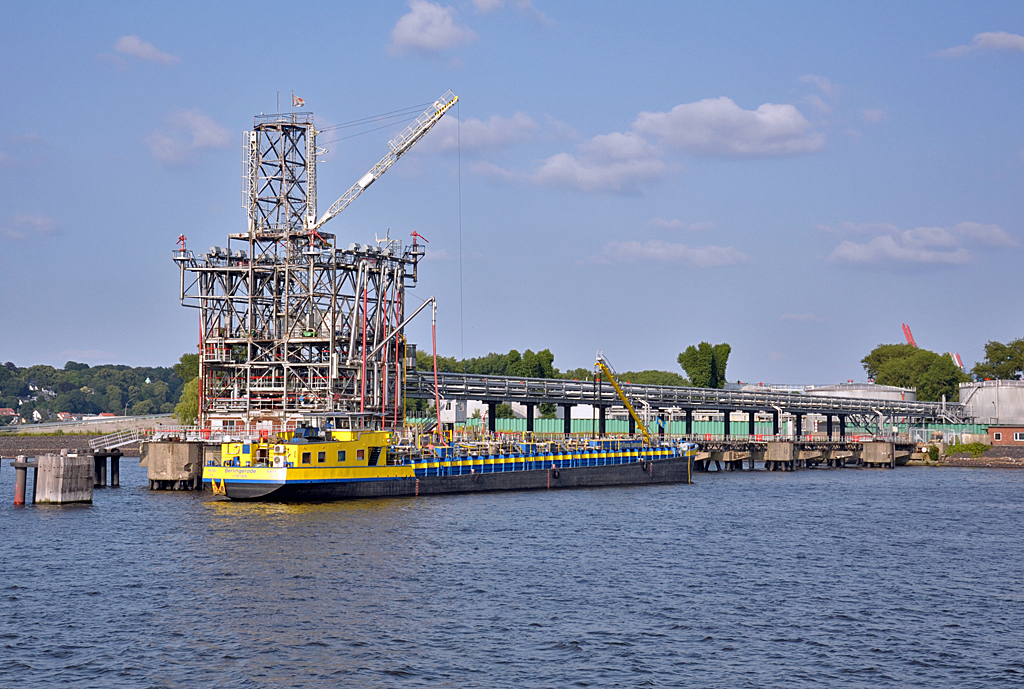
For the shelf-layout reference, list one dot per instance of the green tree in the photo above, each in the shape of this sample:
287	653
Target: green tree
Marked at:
705	364
882	353
932	374
503	411
652	377
1002	361
187	410
187	367
548	411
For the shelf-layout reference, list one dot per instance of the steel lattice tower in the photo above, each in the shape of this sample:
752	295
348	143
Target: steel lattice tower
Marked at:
291	324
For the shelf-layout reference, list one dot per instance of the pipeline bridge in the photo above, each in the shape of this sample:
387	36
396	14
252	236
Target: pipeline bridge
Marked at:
663	400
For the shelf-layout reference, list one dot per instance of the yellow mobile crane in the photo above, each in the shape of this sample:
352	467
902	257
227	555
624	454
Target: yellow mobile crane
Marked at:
603	365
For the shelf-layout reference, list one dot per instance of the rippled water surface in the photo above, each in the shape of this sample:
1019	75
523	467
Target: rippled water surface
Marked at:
826	577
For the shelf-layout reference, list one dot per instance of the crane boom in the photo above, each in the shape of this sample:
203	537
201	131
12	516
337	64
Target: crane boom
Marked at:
399	145
602	364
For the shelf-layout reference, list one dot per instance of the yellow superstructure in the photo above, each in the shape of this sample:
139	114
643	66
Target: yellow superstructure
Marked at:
340	456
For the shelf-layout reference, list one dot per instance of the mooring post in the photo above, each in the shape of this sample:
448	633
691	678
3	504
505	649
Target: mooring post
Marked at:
115	469
20	473
99	478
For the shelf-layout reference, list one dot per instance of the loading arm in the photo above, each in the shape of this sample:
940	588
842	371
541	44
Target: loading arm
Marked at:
399	145
602	364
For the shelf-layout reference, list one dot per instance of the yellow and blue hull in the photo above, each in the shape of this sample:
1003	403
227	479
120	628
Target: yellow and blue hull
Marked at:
440	475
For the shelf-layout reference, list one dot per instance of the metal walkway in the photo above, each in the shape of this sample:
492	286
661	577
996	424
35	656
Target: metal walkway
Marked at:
420	385
115	440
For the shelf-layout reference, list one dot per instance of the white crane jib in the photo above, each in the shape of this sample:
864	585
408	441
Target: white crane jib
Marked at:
399	145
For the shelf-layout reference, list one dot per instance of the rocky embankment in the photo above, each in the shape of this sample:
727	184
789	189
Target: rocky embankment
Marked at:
34	445
993	458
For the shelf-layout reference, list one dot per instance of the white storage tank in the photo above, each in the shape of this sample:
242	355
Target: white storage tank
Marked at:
994	402
867	391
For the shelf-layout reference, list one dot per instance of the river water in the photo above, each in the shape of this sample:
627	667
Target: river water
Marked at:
859	578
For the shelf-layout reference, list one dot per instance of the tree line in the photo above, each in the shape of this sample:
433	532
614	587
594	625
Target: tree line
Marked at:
934	374
39	393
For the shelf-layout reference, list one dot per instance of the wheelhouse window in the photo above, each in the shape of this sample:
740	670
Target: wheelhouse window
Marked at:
341	455
305	458
321	457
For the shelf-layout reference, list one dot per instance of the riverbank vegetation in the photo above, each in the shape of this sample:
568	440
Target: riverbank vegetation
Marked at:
40	393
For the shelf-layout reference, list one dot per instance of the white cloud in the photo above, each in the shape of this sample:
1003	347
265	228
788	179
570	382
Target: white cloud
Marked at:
990	40
616	162
438	255
827	87
717	126
921	245
429	28
680	225
873	116
25	225
816	102
136	47
666	252
476	135
494	172
526	7
191	131
800	317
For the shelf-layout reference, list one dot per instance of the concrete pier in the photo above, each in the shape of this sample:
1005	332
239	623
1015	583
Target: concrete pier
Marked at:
173	465
63	478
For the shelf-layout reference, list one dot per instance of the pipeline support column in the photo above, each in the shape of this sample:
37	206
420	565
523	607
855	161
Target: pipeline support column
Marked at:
601	420
492	417
726	413
567	418
689	422
529	418
750	423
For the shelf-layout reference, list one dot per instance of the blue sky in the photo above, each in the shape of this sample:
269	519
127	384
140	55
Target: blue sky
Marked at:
796	179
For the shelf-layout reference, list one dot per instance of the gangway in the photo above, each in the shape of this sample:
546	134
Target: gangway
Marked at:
119	439
606	368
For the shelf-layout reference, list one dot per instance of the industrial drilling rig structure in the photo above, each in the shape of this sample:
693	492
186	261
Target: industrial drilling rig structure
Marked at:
291	324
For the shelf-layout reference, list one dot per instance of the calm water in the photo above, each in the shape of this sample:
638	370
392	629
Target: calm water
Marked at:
853	577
